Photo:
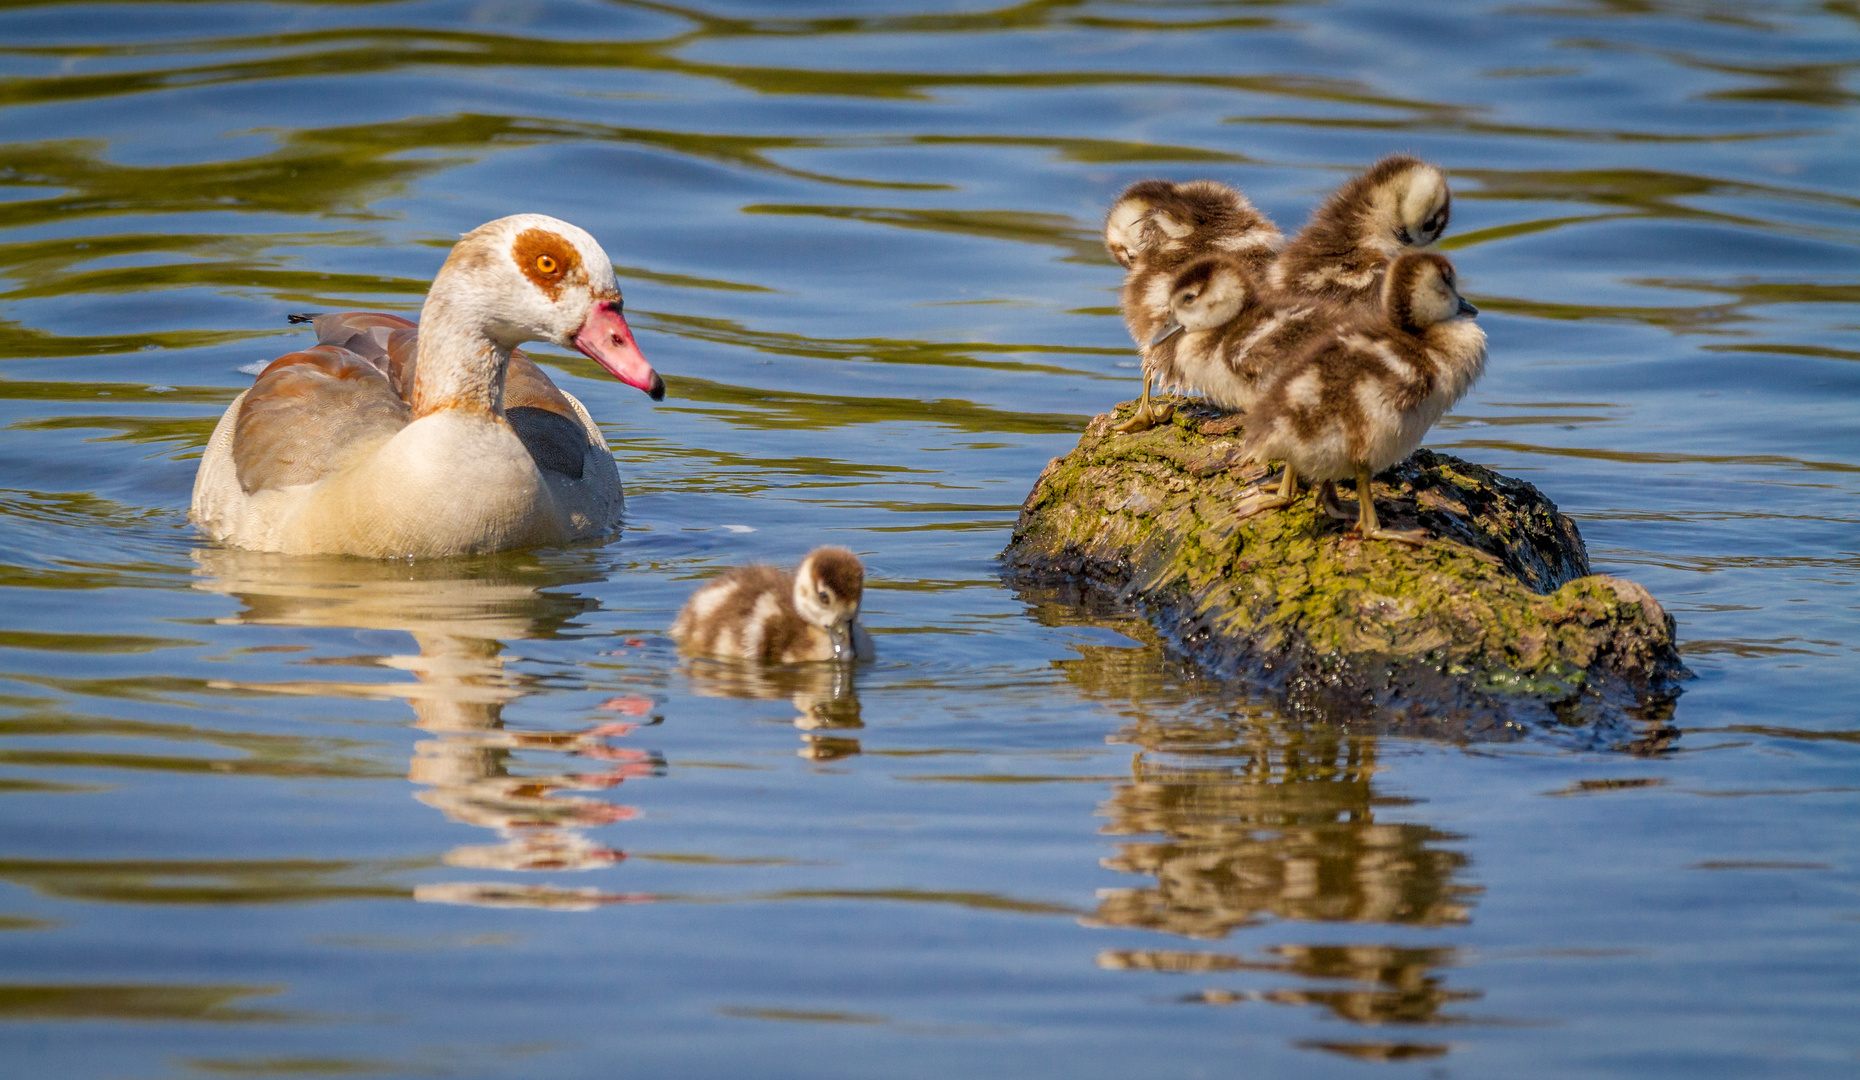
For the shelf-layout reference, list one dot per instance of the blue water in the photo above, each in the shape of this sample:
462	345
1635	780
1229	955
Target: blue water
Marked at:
275	817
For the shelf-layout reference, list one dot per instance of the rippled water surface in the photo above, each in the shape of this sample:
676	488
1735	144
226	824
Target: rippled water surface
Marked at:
281	817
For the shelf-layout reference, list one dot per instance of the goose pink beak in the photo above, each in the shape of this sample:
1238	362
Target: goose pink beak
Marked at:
606	339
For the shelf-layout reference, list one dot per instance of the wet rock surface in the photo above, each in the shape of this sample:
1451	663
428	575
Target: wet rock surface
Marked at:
1493	628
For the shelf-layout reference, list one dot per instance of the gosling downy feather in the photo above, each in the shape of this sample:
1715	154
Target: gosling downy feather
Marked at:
1155	229
1340	255
761	613
1362	396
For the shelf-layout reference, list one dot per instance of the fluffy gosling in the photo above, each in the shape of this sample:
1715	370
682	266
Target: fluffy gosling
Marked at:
1156	228
1229	332
1362	396
766	614
1340	255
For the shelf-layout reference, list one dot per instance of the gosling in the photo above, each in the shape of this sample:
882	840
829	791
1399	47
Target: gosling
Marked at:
1230	331
1153	230
1398	204
1362	396
767	614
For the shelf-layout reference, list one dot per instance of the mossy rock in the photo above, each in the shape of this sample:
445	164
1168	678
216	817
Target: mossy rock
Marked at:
1495	626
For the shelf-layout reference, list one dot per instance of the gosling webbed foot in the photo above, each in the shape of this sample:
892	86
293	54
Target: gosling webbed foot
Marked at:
1331	505
1145	418
1259	504
1368	527
1270	500
1417	537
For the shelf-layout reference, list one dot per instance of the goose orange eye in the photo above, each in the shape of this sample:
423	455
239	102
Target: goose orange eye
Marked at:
546	263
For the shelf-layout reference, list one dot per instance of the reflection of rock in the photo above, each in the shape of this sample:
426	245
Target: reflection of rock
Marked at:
1237	816
458	612
1394	985
822	694
1278	821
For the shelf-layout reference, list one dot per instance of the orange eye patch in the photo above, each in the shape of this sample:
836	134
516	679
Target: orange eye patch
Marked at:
547	259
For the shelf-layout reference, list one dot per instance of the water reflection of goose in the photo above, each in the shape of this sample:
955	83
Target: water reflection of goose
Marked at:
459	614
381	441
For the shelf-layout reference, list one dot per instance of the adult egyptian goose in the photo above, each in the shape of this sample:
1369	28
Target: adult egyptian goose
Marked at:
1397	204
1154	229
762	613
1362	396
385	441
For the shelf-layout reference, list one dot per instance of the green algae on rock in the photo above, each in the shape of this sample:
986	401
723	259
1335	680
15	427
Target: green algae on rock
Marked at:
1493	626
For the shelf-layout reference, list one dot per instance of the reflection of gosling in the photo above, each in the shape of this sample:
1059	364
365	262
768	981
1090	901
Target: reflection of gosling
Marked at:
762	613
1398	204
1361	398
1156	228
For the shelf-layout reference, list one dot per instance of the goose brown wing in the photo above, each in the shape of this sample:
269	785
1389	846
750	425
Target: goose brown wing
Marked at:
539	412
310	414
390	342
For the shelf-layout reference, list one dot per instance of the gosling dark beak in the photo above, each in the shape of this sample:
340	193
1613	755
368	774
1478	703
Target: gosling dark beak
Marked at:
1467	309
1169	330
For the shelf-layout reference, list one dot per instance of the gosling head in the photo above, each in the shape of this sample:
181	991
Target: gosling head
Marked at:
1161	215
1406	204
1422	290
1207	294
827	591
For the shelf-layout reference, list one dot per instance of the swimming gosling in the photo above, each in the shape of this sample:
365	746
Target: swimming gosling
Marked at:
767	614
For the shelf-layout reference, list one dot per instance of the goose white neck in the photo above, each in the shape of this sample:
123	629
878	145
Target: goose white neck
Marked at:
461	366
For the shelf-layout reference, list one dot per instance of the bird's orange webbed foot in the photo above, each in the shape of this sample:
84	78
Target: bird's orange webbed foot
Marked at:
1270	500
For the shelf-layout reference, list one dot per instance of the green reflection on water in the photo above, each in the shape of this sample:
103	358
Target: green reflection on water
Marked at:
874	350
141	1002
264	755
19	342
185	434
1018	226
775	409
209	881
89	643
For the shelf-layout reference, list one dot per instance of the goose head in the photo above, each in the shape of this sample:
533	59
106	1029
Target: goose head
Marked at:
1207	294
827	590
530	277
1422	290
1407	204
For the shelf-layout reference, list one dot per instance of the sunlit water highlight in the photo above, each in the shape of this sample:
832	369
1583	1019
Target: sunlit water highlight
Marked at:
475	818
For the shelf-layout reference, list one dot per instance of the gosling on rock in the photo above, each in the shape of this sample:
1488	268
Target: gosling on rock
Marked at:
1230	331
767	614
1361	397
1155	229
1397	204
